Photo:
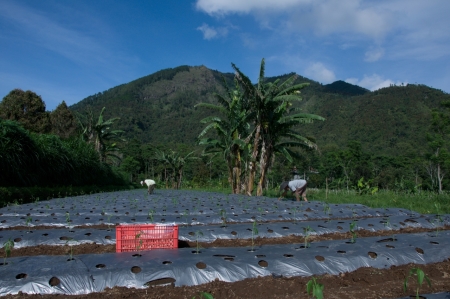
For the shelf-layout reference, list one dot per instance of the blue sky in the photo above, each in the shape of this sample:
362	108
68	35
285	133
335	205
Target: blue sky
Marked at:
68	50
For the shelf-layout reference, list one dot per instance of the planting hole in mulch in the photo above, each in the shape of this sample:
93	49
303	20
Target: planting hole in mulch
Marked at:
319	258
87	234
288	255
64	238
420	250
270	231
434	243
200	265
191	234
108	237
285	227
21	276
386	240
16	240
196	251
100	266
167	262
234	233
340	227
137	255
70	259
341	251
136	269
160	282
410	220
54	281
263	263
390	246
373	254
45	235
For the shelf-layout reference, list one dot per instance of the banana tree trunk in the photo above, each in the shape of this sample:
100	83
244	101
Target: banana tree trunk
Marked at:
263	168
252	164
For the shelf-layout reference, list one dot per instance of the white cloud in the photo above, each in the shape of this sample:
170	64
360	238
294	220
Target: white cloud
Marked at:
373	82
211	32
374	54
223	7
317	71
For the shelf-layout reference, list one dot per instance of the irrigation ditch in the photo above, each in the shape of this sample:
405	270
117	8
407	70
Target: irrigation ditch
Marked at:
67	245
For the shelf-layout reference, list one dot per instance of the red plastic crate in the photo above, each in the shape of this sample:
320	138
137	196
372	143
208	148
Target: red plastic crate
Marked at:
145	237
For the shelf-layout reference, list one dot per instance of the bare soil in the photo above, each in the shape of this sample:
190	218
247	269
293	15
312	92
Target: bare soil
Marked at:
362	283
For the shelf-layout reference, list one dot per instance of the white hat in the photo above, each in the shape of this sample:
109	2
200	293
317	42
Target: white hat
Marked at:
142	182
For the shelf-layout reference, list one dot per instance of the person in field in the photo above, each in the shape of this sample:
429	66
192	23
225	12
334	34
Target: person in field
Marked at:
298	187
150	185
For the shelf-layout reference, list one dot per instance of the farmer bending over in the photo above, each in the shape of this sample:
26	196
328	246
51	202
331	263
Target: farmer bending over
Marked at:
150	184
298	187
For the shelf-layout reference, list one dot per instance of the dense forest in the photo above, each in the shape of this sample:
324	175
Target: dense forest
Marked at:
393	138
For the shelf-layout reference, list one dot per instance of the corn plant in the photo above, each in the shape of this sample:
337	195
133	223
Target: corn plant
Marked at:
327	209
8	245
420	276
315	288
352	231
254	233
307	231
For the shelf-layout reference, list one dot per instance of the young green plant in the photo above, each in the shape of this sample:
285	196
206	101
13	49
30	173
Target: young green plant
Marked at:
254	233
204	295
140	242
197	235
353	225
8	246
420	276
314	288
71	248
307	231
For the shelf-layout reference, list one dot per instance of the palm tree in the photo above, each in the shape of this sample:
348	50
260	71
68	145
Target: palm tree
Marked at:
229	131
271	104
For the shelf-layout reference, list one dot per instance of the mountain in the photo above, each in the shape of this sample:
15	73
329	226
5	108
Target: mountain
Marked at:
160	108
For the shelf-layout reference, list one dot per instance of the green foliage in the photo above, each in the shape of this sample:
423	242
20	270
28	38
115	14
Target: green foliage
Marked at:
307	231
353	225
27	108
254	233
420	277
314	288
64	123
364	187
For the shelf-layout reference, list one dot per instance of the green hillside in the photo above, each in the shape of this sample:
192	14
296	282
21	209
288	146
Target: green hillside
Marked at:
159	109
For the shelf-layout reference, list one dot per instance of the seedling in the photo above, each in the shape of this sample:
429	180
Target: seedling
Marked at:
186	214
28	221
109	222
294	211
223	216
327	209
71	249
307	231
68	219
204	295
8	245
140	242
254	233
420	276
352	231
197	234
150	215
315	288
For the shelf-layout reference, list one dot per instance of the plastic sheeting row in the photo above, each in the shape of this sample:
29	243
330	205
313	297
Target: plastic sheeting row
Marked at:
74	236
93	273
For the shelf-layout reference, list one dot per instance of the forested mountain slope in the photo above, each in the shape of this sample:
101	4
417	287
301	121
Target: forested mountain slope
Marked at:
159	109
